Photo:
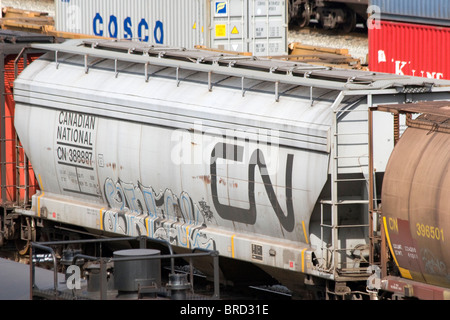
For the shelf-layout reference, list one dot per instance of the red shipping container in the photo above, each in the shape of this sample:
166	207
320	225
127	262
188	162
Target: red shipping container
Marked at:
410	49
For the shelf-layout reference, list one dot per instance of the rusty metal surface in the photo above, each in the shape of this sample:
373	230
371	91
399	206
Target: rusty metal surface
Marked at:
406	288
416	205
438	108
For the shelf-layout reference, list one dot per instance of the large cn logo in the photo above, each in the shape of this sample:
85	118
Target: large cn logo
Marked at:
242	162
248	216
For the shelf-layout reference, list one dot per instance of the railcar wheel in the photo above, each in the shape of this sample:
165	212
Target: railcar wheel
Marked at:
2	239
350	21
22	246
303	15
28	234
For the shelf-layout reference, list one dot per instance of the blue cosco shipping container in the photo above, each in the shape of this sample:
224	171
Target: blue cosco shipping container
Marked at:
434	12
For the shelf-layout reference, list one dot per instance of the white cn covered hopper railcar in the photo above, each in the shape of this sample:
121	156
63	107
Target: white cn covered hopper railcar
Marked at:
265	161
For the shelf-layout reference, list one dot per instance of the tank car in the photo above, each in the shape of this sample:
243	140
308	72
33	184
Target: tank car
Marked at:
415	204
331	14
265	161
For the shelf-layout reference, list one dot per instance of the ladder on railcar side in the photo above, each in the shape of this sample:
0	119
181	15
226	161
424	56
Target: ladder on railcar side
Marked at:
23	180
339	256
23	185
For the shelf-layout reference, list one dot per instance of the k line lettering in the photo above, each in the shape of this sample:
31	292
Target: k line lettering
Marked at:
405	68
400	70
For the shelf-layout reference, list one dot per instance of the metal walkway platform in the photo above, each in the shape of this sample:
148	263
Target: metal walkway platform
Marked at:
15	280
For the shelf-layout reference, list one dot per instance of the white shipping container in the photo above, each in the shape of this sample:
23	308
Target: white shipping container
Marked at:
257	26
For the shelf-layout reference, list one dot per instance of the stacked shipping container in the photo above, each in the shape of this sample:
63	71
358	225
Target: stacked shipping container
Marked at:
411	38
257	26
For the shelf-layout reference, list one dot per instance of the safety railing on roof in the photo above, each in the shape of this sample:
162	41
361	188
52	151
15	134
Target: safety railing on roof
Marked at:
241	66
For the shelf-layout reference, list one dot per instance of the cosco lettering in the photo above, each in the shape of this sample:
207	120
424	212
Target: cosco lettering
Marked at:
103	26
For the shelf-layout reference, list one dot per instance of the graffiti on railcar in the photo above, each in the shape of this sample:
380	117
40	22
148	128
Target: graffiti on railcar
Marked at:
142	200
140	210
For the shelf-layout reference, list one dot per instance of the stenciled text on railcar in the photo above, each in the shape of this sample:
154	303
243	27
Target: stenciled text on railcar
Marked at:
75	138
75	128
